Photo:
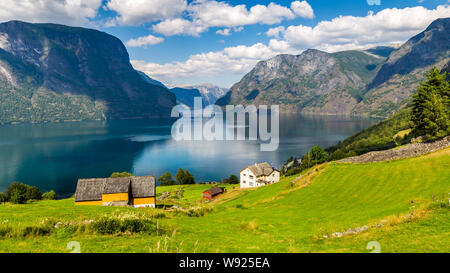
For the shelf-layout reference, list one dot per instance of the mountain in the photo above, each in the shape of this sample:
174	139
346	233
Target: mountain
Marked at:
52	72
210	92
405	68
313	82
146	78
371	82
185	94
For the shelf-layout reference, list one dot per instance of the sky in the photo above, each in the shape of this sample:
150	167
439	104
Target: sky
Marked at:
182	42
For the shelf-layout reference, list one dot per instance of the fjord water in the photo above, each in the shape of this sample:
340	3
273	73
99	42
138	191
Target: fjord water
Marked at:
55	155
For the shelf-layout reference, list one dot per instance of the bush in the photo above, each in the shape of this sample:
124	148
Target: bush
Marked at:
184	177
166	179
51	195
33	193
34	231
122	174
110	225
17	193
233	179
195	211
3	198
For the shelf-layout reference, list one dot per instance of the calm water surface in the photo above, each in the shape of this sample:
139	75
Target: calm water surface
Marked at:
54	156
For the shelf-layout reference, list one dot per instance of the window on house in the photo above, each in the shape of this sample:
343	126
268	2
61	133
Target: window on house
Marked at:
244	181
251	184
251	176
244	174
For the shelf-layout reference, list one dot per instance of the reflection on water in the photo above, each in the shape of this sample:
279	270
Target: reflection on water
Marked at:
54	156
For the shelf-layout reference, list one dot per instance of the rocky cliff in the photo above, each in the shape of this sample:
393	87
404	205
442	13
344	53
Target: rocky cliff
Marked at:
52	72
372	82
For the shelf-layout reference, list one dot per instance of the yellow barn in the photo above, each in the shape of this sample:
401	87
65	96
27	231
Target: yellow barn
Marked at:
136	191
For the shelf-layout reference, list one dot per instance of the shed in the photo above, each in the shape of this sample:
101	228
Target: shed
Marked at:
213	192
137	191
90	191
143	191
116	191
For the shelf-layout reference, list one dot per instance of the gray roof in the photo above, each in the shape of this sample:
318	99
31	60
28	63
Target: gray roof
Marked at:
117	185
90	189
262	169
215	190
143	186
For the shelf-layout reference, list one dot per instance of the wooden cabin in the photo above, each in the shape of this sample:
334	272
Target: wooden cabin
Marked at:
213	192
136	191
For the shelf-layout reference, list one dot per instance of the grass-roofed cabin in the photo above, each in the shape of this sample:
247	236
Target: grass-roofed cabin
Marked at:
136	191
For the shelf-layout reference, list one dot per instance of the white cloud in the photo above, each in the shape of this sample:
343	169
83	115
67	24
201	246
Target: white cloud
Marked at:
178	26
68	12
227	31
224	32
144	41
137	12
204	14
231	60
302	9
349	32
275	32
342	33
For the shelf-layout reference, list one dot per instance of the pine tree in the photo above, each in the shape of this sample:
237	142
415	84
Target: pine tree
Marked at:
431	109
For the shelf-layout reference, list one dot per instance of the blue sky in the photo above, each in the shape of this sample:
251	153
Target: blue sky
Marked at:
190	42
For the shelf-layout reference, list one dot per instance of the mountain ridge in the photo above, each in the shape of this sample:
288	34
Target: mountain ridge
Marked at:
52	72
369	82
185	93
307	81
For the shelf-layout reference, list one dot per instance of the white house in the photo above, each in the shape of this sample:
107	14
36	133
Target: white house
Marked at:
259	175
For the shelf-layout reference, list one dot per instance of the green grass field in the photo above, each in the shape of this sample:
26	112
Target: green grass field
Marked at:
278	218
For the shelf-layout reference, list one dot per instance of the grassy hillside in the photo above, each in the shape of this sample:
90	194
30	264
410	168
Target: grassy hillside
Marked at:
406	199
377	137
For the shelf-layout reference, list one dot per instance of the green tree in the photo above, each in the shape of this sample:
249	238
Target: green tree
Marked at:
318	154
233	179
121	174
33	193
315	156
17	193
180	176
189	178
166	179
51	195
431	108
3	197
184	177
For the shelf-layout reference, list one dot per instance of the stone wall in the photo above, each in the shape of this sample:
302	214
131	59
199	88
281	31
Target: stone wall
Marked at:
410	150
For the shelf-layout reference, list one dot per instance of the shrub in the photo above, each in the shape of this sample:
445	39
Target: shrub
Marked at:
233	179
112	225
51	195
196	211
33	193
5	231
17	193
184	177
121	174
3	198
34	231
166	179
